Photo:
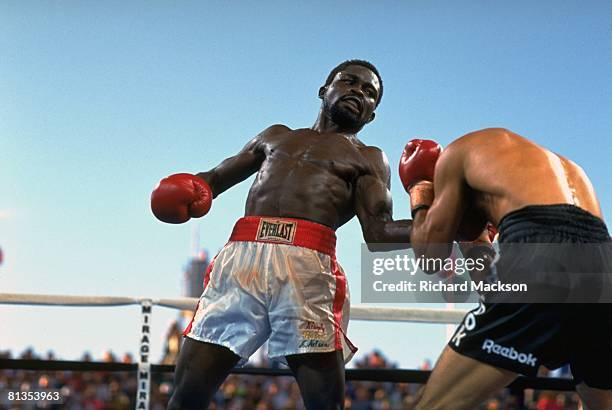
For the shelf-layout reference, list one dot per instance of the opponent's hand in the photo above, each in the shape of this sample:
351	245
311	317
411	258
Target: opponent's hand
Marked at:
179	197
416	170
481	251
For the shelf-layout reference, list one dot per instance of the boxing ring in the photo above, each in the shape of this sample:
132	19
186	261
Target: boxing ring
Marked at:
144	368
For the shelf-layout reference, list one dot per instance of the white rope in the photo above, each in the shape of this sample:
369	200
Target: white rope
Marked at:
358	312
178	303
397	314
65	300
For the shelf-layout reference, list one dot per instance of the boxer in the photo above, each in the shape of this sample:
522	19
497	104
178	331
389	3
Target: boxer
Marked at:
531	196
277	279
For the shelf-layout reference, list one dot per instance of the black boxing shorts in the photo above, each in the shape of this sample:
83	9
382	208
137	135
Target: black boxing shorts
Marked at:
520	337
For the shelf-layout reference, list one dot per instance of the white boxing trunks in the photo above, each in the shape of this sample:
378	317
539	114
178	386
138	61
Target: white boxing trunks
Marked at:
276	279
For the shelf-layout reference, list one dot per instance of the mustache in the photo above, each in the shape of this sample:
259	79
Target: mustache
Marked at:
355	99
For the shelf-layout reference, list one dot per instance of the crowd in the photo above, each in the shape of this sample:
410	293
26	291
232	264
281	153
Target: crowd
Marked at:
117	390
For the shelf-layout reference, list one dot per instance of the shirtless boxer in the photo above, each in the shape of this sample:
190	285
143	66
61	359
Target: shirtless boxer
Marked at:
532	196
277	278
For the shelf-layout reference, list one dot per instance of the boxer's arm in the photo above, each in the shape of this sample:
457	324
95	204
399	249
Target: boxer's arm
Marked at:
236	169
434	229
374	207
480	250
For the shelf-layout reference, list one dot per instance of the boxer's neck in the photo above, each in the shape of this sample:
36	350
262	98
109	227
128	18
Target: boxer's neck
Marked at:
325	125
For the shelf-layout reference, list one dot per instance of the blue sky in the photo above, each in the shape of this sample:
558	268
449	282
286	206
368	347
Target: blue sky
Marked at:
99	100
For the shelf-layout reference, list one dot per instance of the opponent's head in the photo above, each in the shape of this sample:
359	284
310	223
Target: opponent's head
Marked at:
351	93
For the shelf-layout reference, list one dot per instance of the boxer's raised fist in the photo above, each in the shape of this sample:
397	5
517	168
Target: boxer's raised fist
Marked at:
179	197
418	162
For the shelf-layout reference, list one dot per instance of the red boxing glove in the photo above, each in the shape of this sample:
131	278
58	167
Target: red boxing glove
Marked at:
416	170
179	197
418	162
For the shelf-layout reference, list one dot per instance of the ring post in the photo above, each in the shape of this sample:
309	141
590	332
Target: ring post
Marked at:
144	364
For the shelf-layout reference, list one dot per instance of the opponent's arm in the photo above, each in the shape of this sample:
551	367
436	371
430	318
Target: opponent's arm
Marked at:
436	219
374	207
480	249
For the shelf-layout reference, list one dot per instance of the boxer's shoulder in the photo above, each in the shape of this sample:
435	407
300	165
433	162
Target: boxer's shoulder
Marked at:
495	137
489	132
375	155
272	135
377	161
474	145
275	129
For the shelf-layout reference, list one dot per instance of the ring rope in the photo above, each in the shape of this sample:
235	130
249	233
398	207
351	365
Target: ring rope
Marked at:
358	311
376	375
144	368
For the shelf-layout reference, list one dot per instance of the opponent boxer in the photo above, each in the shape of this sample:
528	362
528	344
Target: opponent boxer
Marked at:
277	278
532	196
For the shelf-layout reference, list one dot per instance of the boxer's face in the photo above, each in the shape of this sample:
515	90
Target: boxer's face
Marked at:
350	99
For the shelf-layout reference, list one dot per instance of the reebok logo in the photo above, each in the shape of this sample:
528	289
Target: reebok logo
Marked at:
508	352
469	324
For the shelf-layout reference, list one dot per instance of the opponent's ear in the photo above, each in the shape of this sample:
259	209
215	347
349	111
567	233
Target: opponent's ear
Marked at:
322	91
371	118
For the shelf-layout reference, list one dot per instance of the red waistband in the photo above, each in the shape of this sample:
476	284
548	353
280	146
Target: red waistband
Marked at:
289	231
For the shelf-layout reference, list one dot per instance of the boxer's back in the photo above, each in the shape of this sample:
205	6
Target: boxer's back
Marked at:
508	172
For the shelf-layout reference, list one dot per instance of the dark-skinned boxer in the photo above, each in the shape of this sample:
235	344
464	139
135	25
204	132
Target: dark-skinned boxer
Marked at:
532	196
277	279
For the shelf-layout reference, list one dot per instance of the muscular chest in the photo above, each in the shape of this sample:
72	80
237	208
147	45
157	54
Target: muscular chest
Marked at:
318	153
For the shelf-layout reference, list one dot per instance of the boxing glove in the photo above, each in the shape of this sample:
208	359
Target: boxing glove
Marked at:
418	162
416	170
179	197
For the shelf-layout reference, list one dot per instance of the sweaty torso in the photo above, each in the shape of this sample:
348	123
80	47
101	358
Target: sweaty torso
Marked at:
506	172
307	175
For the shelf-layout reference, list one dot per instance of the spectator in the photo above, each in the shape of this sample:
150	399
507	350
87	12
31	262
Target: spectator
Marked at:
117	391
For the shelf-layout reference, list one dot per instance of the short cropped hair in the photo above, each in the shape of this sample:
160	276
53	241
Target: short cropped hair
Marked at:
362	63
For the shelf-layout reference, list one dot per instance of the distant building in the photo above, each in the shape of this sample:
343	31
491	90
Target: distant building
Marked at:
193	277
193	286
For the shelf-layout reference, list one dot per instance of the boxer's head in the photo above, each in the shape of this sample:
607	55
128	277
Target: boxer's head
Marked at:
351	93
